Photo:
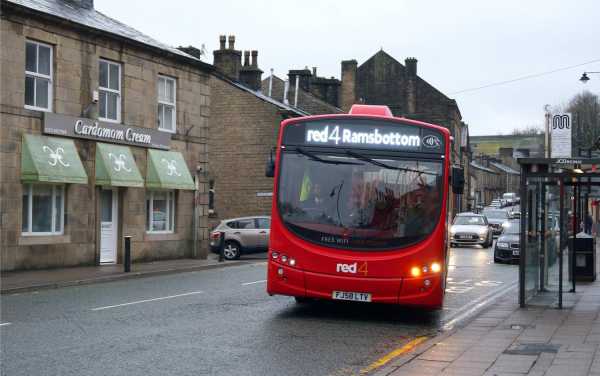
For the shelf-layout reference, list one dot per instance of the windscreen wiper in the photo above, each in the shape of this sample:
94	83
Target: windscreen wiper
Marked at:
380	164
319	159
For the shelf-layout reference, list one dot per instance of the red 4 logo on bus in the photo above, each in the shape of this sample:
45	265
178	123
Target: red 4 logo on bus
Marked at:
352	268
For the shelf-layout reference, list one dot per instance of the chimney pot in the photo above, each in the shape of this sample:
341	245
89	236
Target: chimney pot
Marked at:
315	72
222	39
246	58
255	59
232	42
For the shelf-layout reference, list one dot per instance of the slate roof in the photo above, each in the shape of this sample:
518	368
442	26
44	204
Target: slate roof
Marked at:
505	168
262	96
77	11
480	167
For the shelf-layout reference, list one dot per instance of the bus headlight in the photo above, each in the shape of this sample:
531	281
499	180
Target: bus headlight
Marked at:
415	272
283	258
435	268
274	255
292	262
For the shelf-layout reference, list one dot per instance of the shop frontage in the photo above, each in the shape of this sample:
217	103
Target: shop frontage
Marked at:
559	207
116	189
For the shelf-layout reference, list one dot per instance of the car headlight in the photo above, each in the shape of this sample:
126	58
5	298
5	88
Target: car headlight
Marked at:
505	224
482	231
453	230
502	245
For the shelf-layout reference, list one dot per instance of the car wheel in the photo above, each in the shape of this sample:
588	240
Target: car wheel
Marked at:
303	299
491	241
496	259
486	245
232	251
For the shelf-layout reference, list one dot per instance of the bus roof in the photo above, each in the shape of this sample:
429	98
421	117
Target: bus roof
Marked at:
363	109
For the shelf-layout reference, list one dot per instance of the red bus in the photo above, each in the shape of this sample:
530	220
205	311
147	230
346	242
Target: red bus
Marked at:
361	209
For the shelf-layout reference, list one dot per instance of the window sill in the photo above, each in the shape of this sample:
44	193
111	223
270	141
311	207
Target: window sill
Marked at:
150	237
110	120
38	108
168	131
44	239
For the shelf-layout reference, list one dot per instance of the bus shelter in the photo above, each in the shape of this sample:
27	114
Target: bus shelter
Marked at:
557	195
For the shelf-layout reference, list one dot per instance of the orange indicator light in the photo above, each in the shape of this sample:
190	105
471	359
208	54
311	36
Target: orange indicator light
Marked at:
415	271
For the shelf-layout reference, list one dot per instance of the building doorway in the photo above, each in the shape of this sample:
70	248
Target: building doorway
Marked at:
108	225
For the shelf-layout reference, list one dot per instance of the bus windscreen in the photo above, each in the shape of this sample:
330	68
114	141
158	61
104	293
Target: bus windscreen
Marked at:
348	200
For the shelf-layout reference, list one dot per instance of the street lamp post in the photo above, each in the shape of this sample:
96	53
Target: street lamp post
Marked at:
585	78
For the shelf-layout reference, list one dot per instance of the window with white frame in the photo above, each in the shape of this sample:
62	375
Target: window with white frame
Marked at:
167	108
38	76
110	91
43	208
160	211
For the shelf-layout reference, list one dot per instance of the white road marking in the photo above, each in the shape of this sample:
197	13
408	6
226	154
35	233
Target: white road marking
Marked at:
145	301
251	283
6	323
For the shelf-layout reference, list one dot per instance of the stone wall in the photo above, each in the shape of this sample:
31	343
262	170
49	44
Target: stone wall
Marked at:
243	129
75	64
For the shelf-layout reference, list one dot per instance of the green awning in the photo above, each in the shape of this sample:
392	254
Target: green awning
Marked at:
115	166
51	159
167	170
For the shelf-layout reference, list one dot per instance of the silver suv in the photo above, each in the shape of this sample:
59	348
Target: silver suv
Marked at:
242	235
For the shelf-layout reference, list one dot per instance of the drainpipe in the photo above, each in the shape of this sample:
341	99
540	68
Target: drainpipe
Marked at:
196	210
297	83
285	92
271	83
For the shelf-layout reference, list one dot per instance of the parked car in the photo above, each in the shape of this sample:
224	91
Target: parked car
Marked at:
242	235
508	245
471	229
497	203
497	218
504	202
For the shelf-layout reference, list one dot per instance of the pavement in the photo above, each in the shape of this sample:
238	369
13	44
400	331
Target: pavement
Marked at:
36	280
540	339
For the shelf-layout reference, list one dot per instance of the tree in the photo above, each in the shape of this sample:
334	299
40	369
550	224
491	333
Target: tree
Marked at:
586	129
529	129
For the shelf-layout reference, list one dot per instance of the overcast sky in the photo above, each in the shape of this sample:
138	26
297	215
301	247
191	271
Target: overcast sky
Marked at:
460	45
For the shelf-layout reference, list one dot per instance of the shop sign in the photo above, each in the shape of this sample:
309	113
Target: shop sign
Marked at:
71	126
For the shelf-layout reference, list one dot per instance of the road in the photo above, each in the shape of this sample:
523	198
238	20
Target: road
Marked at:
222	322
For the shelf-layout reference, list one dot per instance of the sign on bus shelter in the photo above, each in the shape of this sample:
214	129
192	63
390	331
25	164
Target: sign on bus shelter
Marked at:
561	126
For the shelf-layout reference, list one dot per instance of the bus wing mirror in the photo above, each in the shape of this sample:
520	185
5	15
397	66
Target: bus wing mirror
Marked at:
458	180
270	169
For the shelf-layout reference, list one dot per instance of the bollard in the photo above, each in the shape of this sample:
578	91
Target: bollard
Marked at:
127	261
222	248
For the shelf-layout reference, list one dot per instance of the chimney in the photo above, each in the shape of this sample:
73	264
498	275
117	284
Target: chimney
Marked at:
325	88
190	50
410	87
250	75
255	59
349	79
486	161
89	4
228	61
222	39
304	81
506	152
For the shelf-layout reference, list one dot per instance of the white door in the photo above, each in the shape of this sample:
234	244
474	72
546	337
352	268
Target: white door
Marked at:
108	227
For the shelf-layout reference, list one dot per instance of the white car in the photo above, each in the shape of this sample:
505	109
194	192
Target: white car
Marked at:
471	229
497	203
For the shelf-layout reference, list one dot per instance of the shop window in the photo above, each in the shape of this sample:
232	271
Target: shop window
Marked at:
167	108
43	208
160	211
211	196
38	76
110	92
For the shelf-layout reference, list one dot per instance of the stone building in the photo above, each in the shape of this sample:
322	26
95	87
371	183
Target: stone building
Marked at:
382	80
245	124
510	179
484	181
85	158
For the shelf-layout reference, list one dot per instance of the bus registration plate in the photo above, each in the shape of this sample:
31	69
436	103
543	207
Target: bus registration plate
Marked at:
355	296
